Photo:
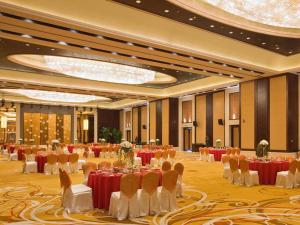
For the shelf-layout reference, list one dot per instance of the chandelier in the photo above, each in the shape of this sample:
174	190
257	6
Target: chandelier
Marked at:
55	96
98	70
281	13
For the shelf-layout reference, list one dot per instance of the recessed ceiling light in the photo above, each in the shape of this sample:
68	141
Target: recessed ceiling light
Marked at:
210	61
27	44
231	76
191	68
166	11
290	52
248	38
28	20
134	57
177	71
62	43
52	49
26	36
86	48
277	48
150	48
99	36
114	53
174	53
241	33
224	64
204	71
191	19
212	26
73	31
240	68
129	43
163	69
191	57
230	32
221	74
138	1
263	43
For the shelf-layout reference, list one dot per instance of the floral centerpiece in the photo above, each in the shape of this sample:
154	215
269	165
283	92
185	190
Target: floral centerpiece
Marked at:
55	144
126	153
157	141
102	140
218	143
262	149
20	140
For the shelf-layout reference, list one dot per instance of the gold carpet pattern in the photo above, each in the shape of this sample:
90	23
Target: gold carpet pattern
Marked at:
208	199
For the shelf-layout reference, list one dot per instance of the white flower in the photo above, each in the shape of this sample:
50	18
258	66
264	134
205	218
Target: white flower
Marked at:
157	140
31	140
126	144
264	142
20	139
218	140
152	141
55	141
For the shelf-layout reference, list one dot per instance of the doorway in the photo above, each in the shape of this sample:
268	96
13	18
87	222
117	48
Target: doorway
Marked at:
235	135
128	135
187	138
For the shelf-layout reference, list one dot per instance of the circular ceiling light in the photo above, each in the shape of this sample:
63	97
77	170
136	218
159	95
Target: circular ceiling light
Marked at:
91	69
271	12
54	96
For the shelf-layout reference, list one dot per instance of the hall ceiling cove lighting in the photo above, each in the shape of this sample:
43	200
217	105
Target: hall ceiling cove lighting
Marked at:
54	96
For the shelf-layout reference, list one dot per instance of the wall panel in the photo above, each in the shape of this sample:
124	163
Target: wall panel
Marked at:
51	127
165	119
67	129
247	115
173	121
278	104
152	119
122	122
201	118
218	113
135	124
159	120
209	119
144	124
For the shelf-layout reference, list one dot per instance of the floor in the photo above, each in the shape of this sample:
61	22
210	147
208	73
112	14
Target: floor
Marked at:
208	199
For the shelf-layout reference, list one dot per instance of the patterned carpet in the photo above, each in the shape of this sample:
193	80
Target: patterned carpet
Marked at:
208	199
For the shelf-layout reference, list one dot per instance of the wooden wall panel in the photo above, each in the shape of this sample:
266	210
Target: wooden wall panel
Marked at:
209	119
144	125
122	122
159	120
67	128
60	128
51	127
218	113
247	115
201	118
292	112
35	123
187	111
166	122
262	115
27	128
135	124
44	129
278	104
173	121
128	119
152	123
139	125
108	118
234	106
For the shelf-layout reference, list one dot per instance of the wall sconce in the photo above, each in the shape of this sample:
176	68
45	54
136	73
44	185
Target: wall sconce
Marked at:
184	120
85	124
190	120
3	122
233	116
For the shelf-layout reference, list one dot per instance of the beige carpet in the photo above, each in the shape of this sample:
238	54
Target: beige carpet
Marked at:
208	199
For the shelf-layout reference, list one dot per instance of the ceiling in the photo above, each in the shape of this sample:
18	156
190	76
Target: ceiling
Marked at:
203	60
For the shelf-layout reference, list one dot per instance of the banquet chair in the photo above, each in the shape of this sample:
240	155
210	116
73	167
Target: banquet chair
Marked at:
233	151
91	153
164	155
83	160
104	152
287	178
119	164
75	198
124	203
166	166
179	167
155	162
202	154
248	177
86	169
30	166
63	162
225	161
234	175
73	162
237	151
147	195
167	192
34	152
112	152
172	154
51	166
12	155
104	165
208	157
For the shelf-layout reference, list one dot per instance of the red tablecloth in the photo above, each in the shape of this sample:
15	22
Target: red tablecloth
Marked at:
267	171
21	153
70	148
103	184
217	153
96	150
11	148
145	156
41	161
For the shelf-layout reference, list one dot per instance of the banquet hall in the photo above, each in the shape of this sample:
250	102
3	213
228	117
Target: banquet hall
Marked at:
149	112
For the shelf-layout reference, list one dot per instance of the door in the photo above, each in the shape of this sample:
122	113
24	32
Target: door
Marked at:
235	136
187	139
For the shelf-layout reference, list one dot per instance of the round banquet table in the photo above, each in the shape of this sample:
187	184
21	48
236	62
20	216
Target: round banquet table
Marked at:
145	156
96	150
41	160
217	153
267	171
21	152
104	183
70	148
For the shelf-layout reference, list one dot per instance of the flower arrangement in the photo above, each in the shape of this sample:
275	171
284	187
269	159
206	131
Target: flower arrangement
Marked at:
127	153
20	141
218	143
262	149
55	141
152	141
157	141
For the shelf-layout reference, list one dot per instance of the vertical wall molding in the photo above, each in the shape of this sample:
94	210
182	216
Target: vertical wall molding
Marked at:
159	119
209	118
173	121
139	133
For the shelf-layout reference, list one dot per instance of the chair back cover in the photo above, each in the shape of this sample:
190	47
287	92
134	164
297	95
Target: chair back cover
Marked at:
150	182
165	154
62	158
166	166
233	163
225	159
244	165
157	154
169	180
104	164
228	151
242	157
233	151
65	180
237	151
293	166
172	153
129	184
51	159
206	151
179	167
27	151
119	164
35	150
298	166
73	158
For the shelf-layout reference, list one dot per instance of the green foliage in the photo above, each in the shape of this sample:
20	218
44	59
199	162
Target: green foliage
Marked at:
111	135
262	150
